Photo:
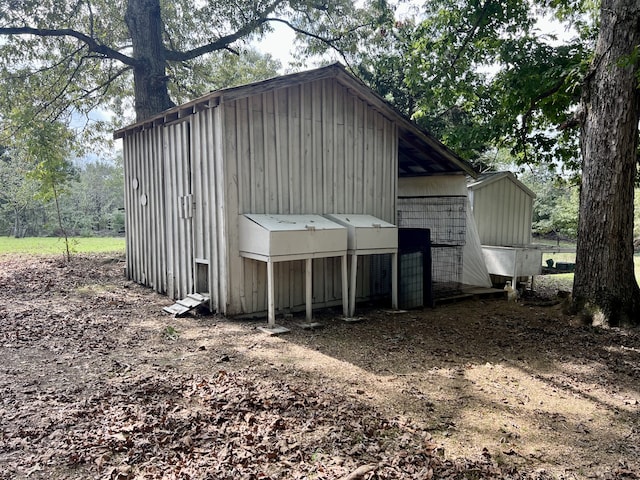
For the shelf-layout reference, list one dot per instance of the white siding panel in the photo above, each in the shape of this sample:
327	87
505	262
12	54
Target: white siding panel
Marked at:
503	213
224	181
205	188
209	178
202	175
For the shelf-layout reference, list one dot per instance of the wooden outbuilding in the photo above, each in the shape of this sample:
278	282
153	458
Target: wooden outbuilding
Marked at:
312	143
503	209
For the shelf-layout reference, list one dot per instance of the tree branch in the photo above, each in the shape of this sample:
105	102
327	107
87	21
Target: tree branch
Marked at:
328	41
225	41
220	44
470	34
92	43
532	106
106	84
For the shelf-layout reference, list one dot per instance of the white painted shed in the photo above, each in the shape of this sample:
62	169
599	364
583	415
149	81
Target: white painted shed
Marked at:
503	209
311	143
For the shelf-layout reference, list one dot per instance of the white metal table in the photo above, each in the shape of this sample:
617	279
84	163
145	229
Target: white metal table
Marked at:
369	235
280	238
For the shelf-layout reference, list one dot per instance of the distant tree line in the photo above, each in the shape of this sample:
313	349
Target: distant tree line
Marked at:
91	205
555	208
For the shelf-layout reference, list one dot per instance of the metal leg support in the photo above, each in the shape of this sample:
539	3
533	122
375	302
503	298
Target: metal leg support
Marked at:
271	296
394	281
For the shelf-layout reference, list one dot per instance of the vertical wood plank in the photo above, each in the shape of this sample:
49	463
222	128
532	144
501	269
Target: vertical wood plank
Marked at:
280	161
253	171
265	160
293	156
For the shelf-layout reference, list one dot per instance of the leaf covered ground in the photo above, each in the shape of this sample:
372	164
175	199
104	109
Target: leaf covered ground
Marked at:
97	382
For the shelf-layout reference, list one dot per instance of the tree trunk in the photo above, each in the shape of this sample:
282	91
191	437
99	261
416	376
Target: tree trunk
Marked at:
16	222
61	225
604	281
150	73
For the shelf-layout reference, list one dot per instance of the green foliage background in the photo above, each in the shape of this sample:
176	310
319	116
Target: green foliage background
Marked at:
92	205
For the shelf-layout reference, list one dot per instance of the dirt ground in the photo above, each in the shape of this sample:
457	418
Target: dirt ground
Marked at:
97	382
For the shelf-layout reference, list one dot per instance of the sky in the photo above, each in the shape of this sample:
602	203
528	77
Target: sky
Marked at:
280	42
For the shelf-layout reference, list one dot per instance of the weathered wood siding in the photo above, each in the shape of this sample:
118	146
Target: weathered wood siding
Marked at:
209	178
158	202
309	148
503	213
178	209
145	209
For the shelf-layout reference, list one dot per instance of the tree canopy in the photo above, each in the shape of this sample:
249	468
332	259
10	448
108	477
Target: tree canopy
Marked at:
89	54
481	75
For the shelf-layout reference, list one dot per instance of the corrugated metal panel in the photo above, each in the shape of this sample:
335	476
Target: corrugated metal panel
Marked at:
310	148
205	245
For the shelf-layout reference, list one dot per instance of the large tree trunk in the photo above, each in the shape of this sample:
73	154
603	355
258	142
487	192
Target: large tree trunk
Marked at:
604	280
150	74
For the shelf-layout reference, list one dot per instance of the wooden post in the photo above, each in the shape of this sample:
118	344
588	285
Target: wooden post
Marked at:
394	280
271	295
352	286
308	282
345	286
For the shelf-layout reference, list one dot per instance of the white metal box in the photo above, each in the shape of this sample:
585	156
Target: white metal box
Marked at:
265	236
512	262
368	235
366	232
280	238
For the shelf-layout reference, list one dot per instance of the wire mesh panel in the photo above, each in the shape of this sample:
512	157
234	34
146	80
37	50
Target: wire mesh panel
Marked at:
444	216
446	270
380	275
411	288
414	268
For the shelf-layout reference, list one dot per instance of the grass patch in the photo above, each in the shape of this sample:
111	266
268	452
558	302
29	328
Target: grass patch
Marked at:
564	280
558	257
53	245
560	281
